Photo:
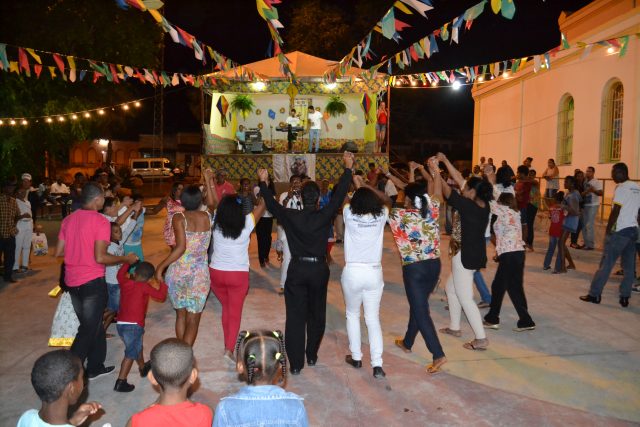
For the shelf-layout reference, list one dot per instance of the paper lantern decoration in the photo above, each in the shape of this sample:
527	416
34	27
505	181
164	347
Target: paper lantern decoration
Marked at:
271	114
223	106
292	91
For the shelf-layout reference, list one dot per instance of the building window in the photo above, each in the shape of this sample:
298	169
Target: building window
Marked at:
77	156
611	123
565	130
92	158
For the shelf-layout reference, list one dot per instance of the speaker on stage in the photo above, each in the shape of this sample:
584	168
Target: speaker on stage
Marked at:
349	146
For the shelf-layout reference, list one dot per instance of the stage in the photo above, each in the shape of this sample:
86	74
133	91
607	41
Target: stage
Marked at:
327	165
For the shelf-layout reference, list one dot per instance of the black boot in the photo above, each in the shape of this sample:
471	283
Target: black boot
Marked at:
589	298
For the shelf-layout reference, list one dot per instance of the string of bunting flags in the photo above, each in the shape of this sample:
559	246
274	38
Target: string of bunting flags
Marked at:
269	13
389	26
66	67
509	67
179	35
428	45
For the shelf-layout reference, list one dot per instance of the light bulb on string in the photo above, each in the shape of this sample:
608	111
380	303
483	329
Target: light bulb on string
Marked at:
87	115
24	122
101	112
74	117
12	122
505	75
610	50
481	78
1	122
125	107
61	119
137	104
456	85
49	120
434	83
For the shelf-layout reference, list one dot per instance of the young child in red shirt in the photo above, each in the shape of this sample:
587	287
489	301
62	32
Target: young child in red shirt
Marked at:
556	214
173	370
134	298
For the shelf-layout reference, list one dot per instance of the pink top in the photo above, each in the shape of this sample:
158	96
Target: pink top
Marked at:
80	231
173	207
224	190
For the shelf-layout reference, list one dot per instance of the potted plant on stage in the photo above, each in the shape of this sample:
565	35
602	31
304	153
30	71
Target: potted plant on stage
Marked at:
242	104
336	106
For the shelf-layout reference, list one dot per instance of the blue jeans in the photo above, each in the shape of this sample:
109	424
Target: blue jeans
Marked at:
89	301
113	302
420	279
481	286
588	225
619	244
551	249
314	134
132	337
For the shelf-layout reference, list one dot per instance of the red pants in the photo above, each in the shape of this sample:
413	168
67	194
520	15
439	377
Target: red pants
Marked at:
230	287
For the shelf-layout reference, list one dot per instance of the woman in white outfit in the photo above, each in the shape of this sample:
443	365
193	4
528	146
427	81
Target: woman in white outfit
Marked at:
25	232
473	208
290	199
362	282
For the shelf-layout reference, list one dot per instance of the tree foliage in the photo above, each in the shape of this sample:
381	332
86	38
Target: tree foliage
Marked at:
90	29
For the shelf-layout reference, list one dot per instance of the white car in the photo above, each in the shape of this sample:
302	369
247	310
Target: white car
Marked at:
152	167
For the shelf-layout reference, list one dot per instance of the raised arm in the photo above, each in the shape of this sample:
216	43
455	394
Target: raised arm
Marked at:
276	209
453	172
259	209
396	181
342	188
435	185
359	182
211	197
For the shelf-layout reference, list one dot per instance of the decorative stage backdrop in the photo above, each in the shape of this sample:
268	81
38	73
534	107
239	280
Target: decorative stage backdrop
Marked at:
323	166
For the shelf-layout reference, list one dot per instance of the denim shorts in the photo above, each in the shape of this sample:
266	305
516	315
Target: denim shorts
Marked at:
131	335
380	127
571	223
113	303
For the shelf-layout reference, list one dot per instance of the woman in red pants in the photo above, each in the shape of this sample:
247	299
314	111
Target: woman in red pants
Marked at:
229	267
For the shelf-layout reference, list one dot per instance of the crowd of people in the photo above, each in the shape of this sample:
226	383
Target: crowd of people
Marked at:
208	231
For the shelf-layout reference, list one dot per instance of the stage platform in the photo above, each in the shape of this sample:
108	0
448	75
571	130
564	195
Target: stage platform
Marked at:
327	165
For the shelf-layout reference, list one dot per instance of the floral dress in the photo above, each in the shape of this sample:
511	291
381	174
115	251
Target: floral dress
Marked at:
417	238
173	207
188	277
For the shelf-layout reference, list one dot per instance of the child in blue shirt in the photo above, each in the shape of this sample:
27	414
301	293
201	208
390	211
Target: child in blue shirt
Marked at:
261	362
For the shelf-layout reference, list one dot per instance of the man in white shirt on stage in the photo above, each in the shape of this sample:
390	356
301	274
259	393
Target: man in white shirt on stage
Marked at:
315	119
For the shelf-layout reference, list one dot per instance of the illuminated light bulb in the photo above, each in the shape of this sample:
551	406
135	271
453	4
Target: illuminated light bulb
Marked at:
331	86
397	83
12	122
456	85
24	122
610	50
1	122
434	83
137	104
505	75
259	86
87	115
61	119
101	112
49	120
74	117
414	83
125	107
481	78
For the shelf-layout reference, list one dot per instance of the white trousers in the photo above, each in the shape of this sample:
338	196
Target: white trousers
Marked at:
362	285
23	243
459	291
286	256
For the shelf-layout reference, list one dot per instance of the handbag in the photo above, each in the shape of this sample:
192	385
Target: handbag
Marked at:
65	323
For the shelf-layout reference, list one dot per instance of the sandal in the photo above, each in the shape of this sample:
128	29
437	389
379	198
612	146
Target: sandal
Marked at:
451	332
476	346
434	367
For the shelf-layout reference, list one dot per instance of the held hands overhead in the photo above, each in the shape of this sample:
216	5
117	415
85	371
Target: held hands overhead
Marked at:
348	159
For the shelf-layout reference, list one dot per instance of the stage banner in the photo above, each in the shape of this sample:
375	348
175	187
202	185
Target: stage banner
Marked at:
286	165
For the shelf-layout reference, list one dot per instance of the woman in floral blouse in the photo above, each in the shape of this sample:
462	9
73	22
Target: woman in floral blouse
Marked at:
417	234
510	273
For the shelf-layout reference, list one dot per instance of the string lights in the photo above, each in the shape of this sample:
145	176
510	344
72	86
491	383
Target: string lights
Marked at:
72	116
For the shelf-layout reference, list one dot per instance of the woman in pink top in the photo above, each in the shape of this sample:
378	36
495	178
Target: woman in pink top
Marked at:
510	274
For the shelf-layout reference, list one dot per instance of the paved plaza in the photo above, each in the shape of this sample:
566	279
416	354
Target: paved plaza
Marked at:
581	366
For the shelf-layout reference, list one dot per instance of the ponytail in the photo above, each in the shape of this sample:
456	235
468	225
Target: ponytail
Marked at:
416	192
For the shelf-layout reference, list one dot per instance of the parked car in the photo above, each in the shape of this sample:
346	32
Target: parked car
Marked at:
152	167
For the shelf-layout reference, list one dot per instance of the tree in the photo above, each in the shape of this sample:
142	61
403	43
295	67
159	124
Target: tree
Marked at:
91	29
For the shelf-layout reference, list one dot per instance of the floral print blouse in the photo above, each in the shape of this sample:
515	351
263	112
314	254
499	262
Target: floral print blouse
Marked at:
507	227
417	238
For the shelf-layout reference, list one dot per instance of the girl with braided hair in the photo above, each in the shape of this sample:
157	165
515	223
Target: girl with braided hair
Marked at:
262	364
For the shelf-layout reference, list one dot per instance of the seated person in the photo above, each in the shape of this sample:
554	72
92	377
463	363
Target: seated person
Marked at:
58	379
241	139
173	370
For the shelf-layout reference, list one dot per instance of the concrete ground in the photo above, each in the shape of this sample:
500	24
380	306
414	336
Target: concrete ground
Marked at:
581	366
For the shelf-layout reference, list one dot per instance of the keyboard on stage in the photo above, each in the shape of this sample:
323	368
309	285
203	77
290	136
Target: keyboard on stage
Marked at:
293	129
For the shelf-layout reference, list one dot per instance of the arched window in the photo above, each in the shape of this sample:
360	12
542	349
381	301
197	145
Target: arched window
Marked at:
611	123
77	156
565	130
91	156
